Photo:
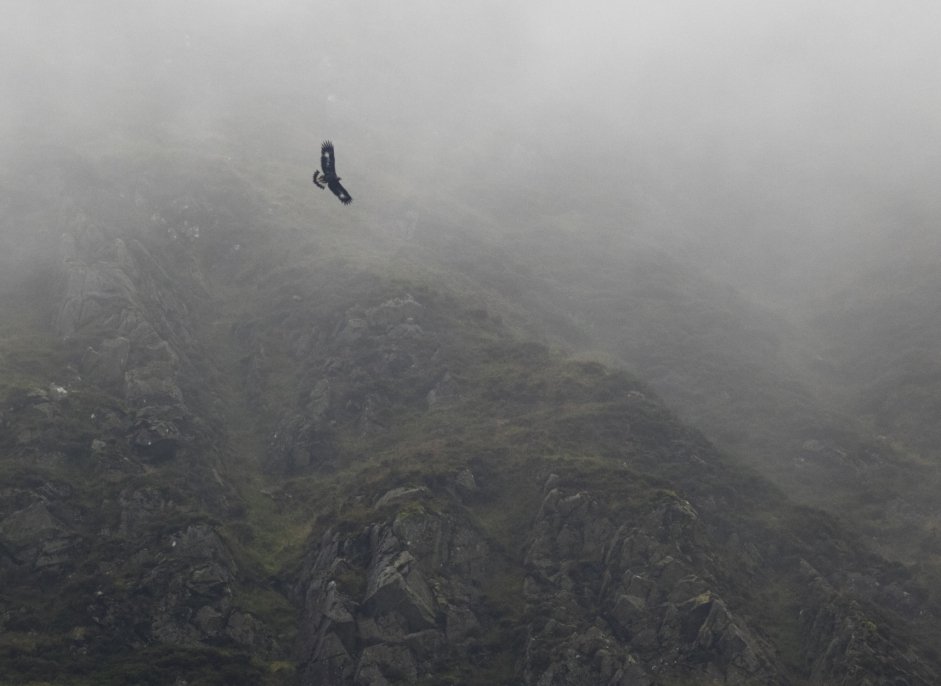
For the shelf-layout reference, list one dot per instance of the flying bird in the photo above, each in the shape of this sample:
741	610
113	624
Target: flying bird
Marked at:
329	174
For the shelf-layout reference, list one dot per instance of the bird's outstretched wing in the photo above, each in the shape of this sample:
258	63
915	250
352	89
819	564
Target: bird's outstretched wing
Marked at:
334	185
327	160
329	165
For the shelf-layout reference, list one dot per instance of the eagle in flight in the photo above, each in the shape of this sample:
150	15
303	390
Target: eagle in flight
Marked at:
329	175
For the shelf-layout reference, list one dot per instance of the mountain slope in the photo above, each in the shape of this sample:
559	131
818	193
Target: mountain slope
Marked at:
242	448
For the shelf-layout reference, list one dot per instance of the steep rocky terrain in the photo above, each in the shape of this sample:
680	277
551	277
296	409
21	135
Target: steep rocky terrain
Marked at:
832	407
239	447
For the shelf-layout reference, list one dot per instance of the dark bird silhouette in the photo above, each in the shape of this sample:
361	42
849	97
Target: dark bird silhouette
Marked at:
329	175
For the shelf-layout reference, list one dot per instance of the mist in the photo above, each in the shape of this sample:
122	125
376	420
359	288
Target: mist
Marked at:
667	262
777	144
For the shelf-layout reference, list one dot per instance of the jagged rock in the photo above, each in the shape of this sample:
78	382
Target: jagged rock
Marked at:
648	626
444	393
395	585
319	401
246	630
200	541
374	412
37	537
108	363
399	494
416	605
299	444
141	508
30	524
383	664
191	581
407	331
151	385
156	434
55	552
209	621
704	625
354	329
466	483
460	624
630	615
842	643
395	311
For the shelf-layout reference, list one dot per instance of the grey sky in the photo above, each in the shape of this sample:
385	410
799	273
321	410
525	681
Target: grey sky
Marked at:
804	118
768	73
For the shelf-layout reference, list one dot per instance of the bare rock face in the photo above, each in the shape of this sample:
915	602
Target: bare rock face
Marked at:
843	643
35	538
133	321
107	364
114	472
634	601
392	602
609	603
375	360
608	595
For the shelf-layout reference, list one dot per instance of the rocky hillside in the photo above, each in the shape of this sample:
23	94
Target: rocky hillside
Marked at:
239	445
831	401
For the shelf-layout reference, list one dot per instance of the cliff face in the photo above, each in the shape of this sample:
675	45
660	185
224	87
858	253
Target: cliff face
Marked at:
224	461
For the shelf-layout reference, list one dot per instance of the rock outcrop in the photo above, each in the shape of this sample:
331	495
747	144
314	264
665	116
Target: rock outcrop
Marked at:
396	601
